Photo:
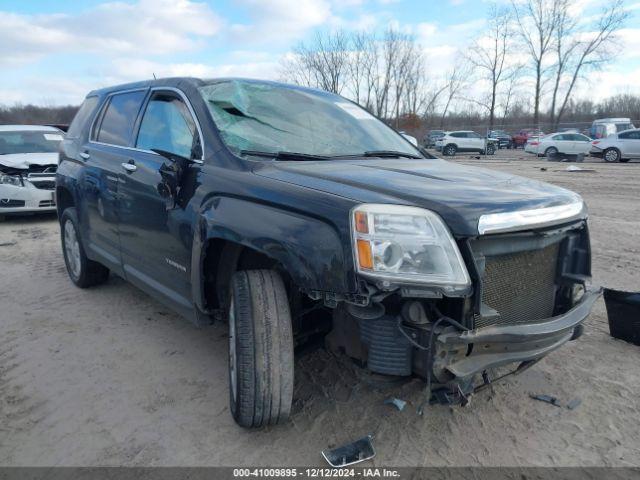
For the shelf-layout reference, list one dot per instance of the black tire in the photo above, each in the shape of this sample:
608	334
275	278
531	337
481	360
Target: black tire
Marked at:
260	349
611	155
491	149
551	152
449	150
82	271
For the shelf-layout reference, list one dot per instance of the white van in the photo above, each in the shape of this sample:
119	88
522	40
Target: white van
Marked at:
604	127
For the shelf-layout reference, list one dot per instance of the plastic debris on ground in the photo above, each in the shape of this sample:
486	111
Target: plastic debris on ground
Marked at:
350	454
396	402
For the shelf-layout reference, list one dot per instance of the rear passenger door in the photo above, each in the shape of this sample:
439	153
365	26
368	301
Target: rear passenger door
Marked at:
156	233
629	143
104	154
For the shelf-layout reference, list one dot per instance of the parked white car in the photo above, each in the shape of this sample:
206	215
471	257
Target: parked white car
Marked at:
28	163
465	141
559	143
619	147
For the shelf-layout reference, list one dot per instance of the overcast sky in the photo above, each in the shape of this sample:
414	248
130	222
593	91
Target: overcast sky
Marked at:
55	52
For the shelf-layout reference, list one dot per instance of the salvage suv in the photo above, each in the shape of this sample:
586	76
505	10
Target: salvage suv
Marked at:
295	214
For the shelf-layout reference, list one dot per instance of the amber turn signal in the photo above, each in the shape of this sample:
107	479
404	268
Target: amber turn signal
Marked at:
362	224
365	258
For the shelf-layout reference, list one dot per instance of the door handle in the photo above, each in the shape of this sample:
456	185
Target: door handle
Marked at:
129	167
84	155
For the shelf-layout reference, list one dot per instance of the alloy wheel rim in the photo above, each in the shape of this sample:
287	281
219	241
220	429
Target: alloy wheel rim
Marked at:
232	352
611	155
72	248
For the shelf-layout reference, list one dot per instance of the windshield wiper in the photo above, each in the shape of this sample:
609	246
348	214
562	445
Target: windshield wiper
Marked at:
389	154
285	155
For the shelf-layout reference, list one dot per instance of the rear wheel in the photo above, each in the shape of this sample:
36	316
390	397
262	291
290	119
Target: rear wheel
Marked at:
260	349
491	149
82	271
450	150
611	155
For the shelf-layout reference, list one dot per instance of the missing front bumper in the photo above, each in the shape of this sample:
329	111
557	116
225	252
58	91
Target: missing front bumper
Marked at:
464	354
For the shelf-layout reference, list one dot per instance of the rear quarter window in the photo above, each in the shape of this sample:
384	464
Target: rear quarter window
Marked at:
118	119
82	117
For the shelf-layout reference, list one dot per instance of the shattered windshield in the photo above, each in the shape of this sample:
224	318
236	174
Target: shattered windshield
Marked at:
262	117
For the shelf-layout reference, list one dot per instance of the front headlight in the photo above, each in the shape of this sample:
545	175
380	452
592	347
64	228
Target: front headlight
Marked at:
15	180
401	244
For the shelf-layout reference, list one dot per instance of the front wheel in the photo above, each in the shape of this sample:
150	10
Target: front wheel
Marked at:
491	149
449	150
260	349
82	271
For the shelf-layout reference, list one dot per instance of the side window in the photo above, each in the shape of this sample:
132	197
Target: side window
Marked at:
457	135
168	125
119	117
629	135
82	117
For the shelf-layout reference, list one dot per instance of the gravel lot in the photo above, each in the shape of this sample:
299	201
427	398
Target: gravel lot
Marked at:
108	376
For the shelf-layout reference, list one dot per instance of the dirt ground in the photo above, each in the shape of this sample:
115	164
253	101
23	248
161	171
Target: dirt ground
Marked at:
108	376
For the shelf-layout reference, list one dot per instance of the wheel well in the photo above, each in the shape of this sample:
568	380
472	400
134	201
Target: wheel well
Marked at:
64	200
221	260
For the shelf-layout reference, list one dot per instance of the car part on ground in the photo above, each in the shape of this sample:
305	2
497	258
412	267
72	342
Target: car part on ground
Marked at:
350	454
623	312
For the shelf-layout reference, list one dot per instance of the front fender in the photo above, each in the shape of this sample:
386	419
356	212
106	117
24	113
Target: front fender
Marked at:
310	249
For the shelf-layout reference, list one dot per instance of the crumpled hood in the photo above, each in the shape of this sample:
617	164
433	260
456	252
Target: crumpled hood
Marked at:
24	160
460	194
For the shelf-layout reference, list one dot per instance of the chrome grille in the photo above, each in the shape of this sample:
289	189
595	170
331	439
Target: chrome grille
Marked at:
520	286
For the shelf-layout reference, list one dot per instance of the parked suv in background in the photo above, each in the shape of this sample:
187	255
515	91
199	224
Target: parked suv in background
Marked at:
465	141
504	140
432	137
603	127
619	147
28	161
293	213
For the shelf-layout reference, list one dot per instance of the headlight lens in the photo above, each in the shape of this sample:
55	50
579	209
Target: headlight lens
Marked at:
15	180
407	245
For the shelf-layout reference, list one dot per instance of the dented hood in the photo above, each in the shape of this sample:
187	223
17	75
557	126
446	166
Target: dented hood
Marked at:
460	194
23	161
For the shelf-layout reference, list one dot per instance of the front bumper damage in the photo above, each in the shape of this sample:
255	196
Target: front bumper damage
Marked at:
464	354
36	195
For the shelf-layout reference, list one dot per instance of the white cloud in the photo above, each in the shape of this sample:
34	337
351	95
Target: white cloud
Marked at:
280	21
114	28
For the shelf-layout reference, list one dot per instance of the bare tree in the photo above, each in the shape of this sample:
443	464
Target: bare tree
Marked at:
322	64
537	22
455	80
489	54
588	49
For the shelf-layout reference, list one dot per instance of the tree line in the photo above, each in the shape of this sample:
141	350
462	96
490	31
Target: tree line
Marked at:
526	65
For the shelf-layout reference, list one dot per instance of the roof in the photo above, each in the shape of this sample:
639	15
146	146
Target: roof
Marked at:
612	120
29	128
195	82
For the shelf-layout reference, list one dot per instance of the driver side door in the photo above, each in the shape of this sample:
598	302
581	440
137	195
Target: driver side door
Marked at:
155	229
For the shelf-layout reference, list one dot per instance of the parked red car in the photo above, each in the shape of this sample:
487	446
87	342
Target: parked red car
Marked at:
520	138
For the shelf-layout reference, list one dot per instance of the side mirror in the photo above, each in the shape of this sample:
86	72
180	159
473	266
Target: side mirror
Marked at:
171	172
